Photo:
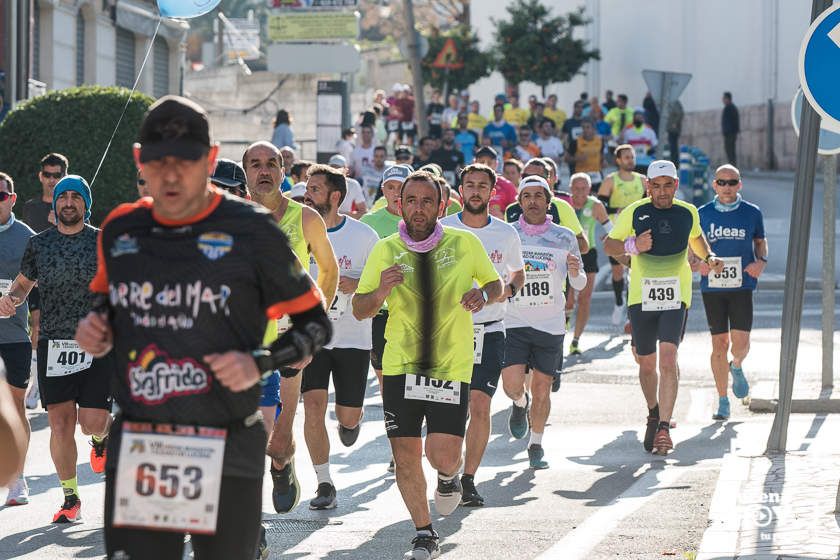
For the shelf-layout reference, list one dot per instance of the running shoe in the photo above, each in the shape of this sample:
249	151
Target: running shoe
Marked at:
535	457
617	314
424	547
723	409
662	443
348	436
98	455
447	495
18	493
286	491
650	432
556	381
263	551
392	468
70	511
469	495
518	419
740	386
33	395
325	498
574	349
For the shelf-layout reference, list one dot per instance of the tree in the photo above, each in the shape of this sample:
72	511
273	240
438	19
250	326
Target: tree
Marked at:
535	46
477	63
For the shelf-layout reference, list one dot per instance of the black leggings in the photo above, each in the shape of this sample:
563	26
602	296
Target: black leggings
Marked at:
238	527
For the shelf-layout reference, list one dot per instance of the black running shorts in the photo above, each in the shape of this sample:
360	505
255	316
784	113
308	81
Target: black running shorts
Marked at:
590	261
652	326
404	417
90	388
349	368
485	375
729	310
535	349
17	357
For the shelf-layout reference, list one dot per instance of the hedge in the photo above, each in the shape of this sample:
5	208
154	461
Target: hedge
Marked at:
76	122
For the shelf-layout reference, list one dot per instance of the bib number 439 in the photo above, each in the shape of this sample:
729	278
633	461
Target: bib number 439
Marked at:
661	294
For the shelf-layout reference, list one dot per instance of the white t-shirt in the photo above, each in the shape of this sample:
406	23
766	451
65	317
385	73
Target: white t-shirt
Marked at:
540	304
352	242
502	244
353	198
362	157
550	147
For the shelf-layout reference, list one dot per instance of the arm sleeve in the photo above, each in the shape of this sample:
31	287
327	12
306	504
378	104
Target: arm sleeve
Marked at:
28	263
578	282
568	217
483	272
374	266
624	226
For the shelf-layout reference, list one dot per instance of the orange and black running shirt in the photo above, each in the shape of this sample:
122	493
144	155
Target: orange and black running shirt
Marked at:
180	291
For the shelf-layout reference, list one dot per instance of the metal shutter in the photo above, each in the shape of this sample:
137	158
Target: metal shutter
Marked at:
36	40
160	85
80	49
125	58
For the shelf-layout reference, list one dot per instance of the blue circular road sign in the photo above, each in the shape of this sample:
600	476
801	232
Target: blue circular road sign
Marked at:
829	139
819	61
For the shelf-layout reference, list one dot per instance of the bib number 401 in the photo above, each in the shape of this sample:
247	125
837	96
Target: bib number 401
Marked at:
169	481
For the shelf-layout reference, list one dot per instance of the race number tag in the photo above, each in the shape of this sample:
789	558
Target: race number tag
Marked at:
478	343
5	285
339	306
661	294
537	291
595	176
169	477
64	357
284	323
423	388
730	277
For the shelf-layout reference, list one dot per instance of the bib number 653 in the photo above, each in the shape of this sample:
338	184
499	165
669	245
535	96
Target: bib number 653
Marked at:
169	480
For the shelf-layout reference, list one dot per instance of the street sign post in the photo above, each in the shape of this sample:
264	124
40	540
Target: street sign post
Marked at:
665	87
819	58
447	59
829	138
313	58
313	26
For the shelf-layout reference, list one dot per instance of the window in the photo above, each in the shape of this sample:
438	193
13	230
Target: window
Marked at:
80	48
160	82
125	58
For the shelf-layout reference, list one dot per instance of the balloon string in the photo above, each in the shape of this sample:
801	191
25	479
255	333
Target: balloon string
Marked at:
127	101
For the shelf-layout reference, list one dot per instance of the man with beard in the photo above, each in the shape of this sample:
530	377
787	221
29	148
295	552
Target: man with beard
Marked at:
501	243
535	324
347	357
424	376
74	385
305	232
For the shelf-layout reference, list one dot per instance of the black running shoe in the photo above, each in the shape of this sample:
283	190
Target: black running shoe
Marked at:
325	498
348	436
469	495
518	419
262	546
650	432
425	547
555	383
286	491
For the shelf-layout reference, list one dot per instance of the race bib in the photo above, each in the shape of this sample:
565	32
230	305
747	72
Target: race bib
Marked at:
661	294
537	291
423	388
339	306
169	477
478	343
64	357
5	285
595	176
284	323
730	277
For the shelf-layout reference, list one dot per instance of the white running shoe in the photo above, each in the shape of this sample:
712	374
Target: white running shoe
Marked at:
33	395
18	493
617	315
447	495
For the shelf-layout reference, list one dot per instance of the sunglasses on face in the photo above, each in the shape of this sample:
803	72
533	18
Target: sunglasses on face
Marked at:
141	182
4	196
727	182
56	175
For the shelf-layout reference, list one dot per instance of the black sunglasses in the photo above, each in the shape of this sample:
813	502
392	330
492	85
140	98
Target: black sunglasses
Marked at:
141	182
729	182
4	196
56	175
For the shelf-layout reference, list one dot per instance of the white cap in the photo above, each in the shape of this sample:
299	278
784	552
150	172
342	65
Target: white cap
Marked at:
338	160
662	168
298	190
397	87
534	181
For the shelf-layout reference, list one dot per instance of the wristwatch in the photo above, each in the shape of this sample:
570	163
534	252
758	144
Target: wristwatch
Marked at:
484	294
513	289
763	259
709	256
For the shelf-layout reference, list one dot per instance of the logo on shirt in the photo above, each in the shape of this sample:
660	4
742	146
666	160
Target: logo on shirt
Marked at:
345	262
214	244
720	232
154	377
664	227
444	258
404	267
496	257
643	218
124	245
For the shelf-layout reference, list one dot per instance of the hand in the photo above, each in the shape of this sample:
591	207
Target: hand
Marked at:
573	264
715	264
390	277
702	268
51	217
755	268
235	370
8	305
473	300
347	285
301	364
94	334
644	242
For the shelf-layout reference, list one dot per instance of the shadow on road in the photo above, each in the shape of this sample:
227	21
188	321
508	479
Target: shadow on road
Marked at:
601	351
87	543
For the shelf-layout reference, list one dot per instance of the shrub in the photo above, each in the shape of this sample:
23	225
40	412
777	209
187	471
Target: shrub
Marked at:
76	122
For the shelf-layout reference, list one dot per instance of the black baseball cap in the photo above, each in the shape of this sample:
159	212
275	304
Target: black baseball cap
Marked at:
228	173
402	152
487	151
174	126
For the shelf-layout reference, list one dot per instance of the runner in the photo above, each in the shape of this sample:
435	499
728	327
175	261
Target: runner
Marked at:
504	193
426	377
735	230
656	232
15	342
75	386
619	190
305	231
347	357
534	321
587	153
230	176
502	245
590	211
185	283
12	438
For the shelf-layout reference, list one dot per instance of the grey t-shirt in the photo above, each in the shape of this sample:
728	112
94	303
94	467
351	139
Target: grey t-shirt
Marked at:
13	242
36	213
63	265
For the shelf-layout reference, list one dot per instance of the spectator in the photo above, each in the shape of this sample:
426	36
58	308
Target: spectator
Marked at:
619	116
515	115
466	140
424	152
651	112
550	146
525	148
347	144
380	133
448	157
355	202
38	211
731	124
571	128
283	133
408	128
552	112
512	170
537	115
450	114
475	120
584	99
674	129
609	102
362	155
434	115
501	134
596	113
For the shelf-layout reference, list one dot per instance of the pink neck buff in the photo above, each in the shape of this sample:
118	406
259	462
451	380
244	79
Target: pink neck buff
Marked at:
421	246
531	229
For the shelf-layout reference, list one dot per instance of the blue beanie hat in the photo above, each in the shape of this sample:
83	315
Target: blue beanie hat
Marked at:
77	184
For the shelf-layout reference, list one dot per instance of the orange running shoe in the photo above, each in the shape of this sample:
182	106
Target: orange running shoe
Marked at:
98	455
70	511
662	443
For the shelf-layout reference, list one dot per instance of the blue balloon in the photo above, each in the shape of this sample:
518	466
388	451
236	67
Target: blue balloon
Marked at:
185	8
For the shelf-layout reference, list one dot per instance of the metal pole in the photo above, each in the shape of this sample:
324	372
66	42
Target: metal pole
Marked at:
416	70
797	259
771	135
664	111
828	279
12	54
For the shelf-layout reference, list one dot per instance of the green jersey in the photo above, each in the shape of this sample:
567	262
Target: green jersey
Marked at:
382	221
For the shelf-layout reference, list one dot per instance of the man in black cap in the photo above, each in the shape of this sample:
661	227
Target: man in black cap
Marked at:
230	176
186	283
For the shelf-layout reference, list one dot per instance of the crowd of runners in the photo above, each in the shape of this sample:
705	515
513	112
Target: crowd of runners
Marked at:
182	335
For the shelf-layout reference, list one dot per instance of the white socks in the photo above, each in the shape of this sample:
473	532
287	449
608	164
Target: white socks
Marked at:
536	439
322	472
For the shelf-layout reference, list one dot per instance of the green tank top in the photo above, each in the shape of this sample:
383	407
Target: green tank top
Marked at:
625	193
292	225
587	220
